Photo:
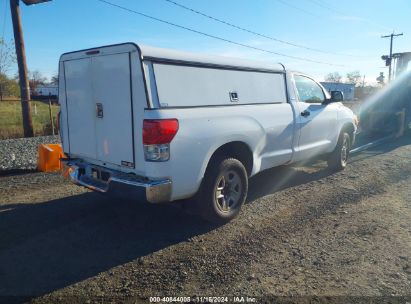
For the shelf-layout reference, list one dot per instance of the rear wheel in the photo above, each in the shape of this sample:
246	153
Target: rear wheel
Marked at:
339	157
223	191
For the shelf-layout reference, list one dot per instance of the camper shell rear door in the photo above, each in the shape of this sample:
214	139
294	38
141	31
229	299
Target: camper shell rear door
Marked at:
102	96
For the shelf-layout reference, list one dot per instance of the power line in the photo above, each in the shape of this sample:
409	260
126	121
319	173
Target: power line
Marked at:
334	10
321	4
215	37
253	32
299	8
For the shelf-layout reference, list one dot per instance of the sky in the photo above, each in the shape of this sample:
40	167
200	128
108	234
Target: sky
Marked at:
348	33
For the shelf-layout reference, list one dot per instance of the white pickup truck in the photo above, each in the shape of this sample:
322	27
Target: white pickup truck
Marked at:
160	125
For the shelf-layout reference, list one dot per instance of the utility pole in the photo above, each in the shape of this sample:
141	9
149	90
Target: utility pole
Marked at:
389	59
21	61
22	64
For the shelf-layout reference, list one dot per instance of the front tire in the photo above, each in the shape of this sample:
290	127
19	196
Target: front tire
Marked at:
339	157
224	190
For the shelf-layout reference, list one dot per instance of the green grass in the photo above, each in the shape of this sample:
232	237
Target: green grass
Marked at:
11	125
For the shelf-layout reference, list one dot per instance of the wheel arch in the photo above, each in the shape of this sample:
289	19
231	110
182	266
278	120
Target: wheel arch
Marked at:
235	149
350	129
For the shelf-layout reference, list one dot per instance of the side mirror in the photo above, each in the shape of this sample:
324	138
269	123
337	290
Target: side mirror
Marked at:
337	96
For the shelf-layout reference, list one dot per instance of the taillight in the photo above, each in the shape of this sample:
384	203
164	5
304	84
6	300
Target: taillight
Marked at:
159	131
157	135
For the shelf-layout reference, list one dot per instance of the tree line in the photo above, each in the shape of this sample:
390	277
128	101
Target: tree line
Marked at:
9	85
353	77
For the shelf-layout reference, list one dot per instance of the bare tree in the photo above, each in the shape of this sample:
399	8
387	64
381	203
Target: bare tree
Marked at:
7	59
54	79
333	77
354	77
36	79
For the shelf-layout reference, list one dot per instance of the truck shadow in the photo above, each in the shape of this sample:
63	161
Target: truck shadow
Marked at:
277	179
51	245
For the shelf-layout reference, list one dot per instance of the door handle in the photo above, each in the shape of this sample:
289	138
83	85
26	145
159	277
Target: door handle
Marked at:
305	113
99	110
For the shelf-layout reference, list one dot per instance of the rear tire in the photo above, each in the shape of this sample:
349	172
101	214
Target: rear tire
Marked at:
339	157
223	191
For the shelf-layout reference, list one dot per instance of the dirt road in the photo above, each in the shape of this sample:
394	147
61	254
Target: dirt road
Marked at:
303	232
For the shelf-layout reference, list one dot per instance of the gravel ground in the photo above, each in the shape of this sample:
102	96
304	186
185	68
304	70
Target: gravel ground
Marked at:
303	233
21	153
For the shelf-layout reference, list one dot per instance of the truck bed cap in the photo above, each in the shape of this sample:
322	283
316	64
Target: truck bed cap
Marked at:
161	54
170	55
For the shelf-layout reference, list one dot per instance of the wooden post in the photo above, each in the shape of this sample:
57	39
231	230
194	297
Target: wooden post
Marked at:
51	117
21	61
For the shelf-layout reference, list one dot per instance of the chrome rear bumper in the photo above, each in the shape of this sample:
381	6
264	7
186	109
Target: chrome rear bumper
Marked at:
105	180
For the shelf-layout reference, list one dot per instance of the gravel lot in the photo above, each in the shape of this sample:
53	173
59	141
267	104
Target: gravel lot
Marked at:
21	153
304	232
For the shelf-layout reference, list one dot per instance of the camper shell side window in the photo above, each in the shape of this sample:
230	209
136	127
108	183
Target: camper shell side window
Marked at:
179	85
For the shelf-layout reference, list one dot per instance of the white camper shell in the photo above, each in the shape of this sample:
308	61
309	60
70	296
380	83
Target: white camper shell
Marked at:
121	81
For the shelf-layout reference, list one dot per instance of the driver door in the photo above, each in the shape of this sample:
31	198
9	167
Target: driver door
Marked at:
316	121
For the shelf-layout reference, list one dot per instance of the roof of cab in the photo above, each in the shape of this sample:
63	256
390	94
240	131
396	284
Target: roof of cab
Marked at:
170	55
160	54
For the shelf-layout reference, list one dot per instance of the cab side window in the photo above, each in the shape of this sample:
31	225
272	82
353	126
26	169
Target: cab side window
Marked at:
308	90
